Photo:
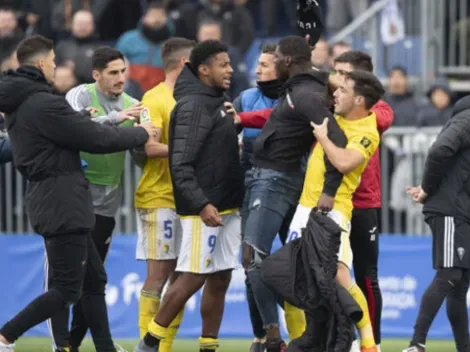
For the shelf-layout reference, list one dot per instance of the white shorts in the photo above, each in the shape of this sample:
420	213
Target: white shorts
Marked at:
300	220
158	234
207	250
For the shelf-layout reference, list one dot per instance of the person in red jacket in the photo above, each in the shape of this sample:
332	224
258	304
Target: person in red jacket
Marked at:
367	198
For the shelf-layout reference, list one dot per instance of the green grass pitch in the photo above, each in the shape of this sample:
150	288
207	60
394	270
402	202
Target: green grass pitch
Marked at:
43	345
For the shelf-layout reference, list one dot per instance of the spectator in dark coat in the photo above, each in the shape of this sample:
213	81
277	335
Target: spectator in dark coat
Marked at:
439	108
77	51
399	97
236	21
10	33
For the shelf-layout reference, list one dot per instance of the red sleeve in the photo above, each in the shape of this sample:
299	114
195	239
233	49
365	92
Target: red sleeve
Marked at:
384	114
255	119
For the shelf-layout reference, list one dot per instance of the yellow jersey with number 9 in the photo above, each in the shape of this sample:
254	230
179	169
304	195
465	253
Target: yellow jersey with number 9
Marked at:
362	136
155	189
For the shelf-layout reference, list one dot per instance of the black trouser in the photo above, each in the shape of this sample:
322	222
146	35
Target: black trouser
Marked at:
364	240
101	236
76	271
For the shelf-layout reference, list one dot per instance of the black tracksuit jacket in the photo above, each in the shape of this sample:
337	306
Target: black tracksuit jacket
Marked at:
287	136
47	136
446	177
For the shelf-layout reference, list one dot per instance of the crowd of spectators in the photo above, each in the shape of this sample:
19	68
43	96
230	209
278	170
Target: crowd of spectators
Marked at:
139	27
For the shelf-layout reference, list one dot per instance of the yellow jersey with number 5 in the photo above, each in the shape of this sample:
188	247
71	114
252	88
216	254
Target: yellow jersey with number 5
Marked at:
155	189
362	136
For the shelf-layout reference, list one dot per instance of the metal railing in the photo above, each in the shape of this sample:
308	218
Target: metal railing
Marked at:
403	151
421	52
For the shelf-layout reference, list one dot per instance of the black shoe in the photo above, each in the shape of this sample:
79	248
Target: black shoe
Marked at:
276	345
257	347
65	349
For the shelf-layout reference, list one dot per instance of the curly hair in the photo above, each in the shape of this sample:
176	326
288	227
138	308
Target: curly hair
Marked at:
204	51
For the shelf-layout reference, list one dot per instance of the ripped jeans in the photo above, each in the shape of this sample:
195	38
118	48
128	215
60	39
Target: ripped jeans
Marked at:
269	197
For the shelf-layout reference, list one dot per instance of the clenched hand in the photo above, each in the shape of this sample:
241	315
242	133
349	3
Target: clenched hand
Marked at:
210	216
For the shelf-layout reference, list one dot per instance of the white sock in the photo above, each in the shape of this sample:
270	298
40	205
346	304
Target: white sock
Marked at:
5	345
355	346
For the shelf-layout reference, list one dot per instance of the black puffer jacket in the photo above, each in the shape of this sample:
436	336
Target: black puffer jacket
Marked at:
303	272
203	149
47	136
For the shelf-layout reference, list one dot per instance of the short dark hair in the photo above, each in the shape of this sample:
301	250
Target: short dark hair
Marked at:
366	85
32	46
204	51
297	48
400	69
268	49
171	47
359	60
103	56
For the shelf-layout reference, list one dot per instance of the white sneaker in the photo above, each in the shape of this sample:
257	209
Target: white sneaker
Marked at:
355	346
7	348
119	348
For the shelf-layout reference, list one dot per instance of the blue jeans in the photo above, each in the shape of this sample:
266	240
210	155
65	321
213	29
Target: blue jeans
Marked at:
270	197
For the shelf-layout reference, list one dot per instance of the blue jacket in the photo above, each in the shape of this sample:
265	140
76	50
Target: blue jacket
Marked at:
6	154
251	100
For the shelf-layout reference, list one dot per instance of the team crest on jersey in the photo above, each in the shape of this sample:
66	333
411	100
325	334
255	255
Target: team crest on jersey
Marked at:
365	142
145	115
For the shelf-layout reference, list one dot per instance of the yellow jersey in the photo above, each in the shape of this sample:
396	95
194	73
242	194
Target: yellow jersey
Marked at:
362	136
155	189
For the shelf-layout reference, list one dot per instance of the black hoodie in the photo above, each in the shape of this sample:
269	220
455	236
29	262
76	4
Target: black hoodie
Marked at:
287	136
47	136
446	177
203	149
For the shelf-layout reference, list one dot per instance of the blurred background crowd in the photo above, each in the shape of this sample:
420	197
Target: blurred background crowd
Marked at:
420	49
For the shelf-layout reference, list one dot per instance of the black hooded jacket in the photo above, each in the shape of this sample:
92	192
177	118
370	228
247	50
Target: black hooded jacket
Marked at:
287	136
47	136
446	177
203	149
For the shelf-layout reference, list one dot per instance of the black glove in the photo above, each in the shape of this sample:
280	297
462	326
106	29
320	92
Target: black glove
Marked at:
309	20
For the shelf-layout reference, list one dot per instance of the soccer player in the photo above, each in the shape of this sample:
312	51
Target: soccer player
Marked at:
353	100
47	136
274	184
208	189
159	227
445	193
114	107
364	236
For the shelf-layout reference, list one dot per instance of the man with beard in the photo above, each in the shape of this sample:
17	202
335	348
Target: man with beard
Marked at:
142	46
274	184
104	172
47	136
208	190
265	95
